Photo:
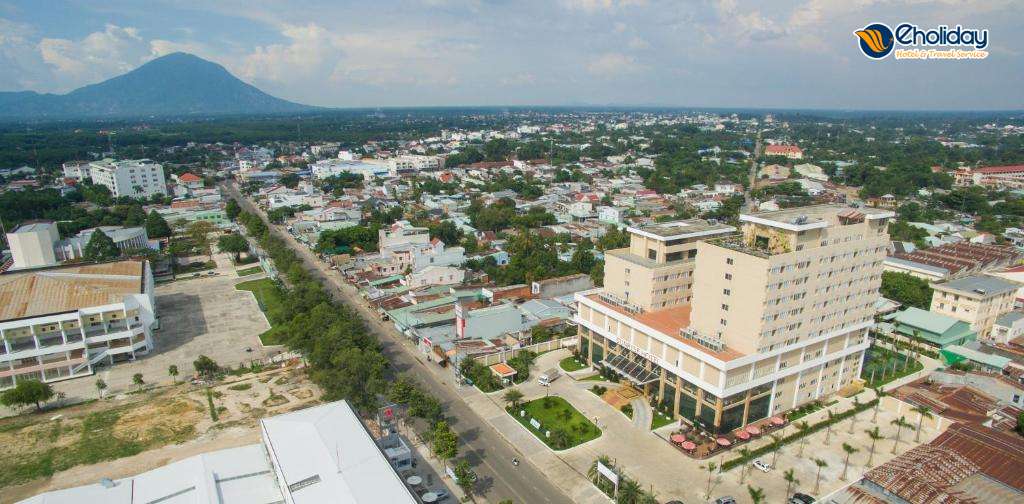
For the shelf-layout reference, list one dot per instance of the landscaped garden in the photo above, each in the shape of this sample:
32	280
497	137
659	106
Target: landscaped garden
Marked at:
882	366
570	364
660	420
485	380
271	300
561	426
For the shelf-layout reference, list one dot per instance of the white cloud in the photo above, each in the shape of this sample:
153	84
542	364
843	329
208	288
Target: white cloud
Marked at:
97	56
614	64
593	6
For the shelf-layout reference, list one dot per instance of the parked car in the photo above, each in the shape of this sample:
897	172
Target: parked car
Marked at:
725	500
549	376
762	466
441	495
801	498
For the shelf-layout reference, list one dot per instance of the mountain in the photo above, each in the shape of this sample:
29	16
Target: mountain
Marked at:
177	84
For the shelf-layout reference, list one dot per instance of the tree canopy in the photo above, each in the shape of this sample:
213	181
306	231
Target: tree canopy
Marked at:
100	248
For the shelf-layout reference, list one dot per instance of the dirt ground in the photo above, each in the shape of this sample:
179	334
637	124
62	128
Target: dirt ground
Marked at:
133	433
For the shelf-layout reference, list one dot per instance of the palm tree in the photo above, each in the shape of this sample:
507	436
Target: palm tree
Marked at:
922	413
172	370
756	494
879	394
791	480
802	428
776	444
513	396
817	479
745	456
828	426
900	423
850	450
629	491
875	435
711	467
100	385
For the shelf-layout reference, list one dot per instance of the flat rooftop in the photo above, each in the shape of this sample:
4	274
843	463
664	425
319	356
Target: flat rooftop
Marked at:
29	227
811	217
669	321
690	228
978	285
41	292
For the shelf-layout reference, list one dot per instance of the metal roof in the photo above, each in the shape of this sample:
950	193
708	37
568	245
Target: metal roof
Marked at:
983	285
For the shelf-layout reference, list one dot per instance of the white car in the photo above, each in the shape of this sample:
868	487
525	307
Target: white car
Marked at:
762	466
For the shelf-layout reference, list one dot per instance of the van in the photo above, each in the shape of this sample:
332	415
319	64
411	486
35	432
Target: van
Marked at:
548	376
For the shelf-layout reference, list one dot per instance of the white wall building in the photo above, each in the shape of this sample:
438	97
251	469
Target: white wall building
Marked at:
31	245
68	319
140	178
332	167
76	170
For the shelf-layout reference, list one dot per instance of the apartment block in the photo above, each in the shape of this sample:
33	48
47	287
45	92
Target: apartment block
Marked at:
978	300
656	270
140	178
57	323
777	314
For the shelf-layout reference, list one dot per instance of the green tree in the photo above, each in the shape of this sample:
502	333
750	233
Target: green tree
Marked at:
900	424
232	209
156	226
802	428
849	450
710	467
172	371
821	464
790	476
879	394
629	491
875	436
776	445
922	413
465	476
445	442
513	396
137	380
205	366
745	456
291	180
906	289
233	243
199	231
756	494
27	392
100	248
100	386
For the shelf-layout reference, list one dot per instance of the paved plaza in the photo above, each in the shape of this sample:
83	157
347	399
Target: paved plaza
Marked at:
647	457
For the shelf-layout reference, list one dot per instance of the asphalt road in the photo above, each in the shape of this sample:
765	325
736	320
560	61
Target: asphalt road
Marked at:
489	454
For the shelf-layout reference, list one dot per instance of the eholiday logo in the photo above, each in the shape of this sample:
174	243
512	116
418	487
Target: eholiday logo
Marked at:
877	41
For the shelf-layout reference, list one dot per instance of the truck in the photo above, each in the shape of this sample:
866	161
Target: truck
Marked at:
548	376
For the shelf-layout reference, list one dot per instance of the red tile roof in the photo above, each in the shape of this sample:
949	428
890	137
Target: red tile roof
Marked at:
996	170
782	149
188	177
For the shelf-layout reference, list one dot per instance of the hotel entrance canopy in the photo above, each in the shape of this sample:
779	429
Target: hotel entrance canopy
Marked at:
635	371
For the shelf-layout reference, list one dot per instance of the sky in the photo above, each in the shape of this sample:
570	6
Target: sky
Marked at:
690	53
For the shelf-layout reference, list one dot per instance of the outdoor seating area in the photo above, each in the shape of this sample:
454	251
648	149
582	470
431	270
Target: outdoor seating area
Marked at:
699	443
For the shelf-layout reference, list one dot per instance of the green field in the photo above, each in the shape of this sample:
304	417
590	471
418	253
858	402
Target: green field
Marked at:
271	299
250	271
660	421
567	425
569	364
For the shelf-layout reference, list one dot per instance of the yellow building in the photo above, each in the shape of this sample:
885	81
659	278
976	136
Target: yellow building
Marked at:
978	300
747	324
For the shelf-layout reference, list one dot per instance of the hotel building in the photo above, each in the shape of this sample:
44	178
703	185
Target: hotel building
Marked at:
726	328
57	323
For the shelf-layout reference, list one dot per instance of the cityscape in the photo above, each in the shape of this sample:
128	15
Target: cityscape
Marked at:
243	270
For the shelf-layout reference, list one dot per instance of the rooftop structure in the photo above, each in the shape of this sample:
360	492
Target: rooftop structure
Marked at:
978	300
953	260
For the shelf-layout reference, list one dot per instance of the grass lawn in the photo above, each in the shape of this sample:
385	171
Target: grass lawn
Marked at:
882	360
568	426
250	271
596	377
270	297
569	364
660	420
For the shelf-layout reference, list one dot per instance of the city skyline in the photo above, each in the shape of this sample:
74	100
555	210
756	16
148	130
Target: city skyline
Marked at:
801	55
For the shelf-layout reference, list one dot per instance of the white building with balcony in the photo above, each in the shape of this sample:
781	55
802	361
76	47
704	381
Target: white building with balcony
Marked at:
140	178
57	323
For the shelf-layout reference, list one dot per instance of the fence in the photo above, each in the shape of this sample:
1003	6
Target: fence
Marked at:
505	355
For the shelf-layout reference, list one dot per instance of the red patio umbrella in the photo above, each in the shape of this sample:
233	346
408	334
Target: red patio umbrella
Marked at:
753	430
777	420
744	435
724	442
677	438
689	445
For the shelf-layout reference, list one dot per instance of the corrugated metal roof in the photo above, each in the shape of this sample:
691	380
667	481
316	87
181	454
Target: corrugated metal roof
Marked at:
56	290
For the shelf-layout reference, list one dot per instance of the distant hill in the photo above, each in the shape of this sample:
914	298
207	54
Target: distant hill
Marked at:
177	84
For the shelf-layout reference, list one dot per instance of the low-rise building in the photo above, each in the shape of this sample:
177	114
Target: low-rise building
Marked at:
57	323
978	300
934	329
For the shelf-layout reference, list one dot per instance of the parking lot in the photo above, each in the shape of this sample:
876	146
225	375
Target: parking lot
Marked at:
198	316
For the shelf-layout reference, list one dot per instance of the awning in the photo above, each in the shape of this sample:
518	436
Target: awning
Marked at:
635	371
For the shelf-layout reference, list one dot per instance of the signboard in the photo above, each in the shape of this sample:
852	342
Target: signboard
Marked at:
609	473
535	423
